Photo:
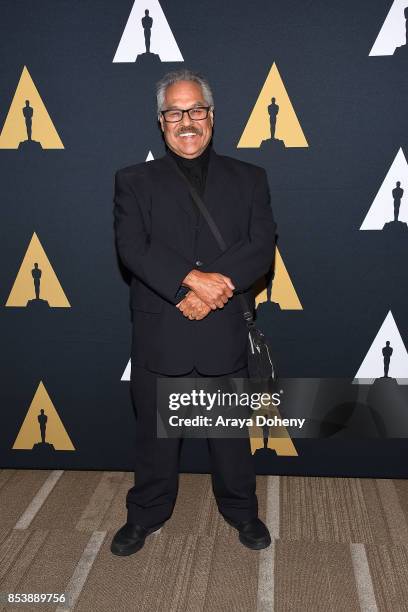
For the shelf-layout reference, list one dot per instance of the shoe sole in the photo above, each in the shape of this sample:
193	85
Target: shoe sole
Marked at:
134	549
255	545
129	551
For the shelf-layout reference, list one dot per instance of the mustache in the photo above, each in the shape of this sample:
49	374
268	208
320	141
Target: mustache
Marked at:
185	130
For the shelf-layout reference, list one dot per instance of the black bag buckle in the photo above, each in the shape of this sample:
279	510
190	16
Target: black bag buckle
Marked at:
248	316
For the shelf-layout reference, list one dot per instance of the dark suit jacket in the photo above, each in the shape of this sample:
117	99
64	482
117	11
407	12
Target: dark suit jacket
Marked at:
159	241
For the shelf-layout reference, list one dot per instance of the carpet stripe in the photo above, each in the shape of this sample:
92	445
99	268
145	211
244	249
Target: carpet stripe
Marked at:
364	583
38	500
100	501
82	570
266	569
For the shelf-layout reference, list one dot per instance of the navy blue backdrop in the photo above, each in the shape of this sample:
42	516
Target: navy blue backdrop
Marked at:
352	109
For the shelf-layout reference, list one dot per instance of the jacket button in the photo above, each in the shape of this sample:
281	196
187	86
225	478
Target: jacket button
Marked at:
198	263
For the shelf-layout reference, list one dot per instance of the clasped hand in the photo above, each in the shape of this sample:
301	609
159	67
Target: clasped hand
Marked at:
208	291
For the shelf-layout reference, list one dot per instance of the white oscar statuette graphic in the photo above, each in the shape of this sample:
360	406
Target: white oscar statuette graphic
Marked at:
387	341
147	36
391	198
391	39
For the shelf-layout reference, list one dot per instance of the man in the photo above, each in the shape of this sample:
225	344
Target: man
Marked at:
187	316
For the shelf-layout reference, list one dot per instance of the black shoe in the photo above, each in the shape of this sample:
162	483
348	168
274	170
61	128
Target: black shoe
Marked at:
253	534
130	538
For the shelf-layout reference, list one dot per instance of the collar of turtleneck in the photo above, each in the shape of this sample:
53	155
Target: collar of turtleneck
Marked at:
195	162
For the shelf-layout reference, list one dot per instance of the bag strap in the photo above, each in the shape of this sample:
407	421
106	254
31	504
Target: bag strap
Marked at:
217	235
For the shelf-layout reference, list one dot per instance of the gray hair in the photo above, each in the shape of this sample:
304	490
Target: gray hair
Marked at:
182	75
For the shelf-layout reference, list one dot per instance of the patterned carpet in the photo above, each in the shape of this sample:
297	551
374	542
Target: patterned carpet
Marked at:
339	544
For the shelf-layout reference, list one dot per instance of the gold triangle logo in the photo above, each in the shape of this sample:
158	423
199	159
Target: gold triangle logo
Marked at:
277	437
36	284
273	117
42	429
28	125
282	291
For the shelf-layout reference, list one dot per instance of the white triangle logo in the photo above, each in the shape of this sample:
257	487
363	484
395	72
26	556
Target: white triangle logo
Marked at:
149	156
126	373
149	38
374	362
392	33
382	208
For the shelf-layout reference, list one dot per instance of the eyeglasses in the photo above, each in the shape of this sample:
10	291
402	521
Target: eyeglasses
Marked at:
197	113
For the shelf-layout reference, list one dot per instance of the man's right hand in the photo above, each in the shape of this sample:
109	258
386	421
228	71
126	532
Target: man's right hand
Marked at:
213	288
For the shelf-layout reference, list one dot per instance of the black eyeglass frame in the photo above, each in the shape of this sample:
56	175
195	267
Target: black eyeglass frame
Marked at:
185	110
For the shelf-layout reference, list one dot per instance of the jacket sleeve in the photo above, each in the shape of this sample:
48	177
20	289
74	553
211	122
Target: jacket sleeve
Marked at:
249	259
156	264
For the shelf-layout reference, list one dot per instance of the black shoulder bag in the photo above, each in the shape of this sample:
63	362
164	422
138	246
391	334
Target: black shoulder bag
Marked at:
260	364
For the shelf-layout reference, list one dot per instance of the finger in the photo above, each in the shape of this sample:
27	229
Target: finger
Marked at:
227	292
229	282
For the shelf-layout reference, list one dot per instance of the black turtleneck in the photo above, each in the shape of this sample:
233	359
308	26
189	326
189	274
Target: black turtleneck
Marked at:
195	169
196	172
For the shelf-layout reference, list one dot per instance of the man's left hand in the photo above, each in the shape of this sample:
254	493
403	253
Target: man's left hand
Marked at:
192	307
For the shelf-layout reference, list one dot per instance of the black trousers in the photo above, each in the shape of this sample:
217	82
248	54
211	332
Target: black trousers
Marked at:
156	462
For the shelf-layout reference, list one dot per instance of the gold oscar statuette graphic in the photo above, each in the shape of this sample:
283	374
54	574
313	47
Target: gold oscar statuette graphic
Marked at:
276	290
42	430
271	438
36	284
28	125
273	124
